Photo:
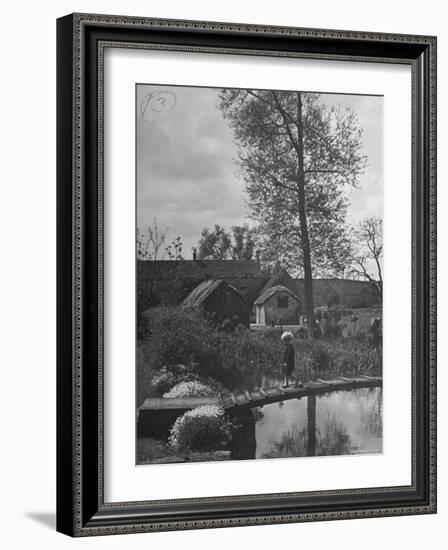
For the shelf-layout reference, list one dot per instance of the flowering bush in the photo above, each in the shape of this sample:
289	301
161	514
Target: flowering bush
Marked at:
167	377
202	429
190	389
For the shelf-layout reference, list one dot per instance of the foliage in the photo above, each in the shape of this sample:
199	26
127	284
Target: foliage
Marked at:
291	142
174	250
202	429
215	243
340	357
223	245
313	358
179	378
190	389
151	244
181	346
178	336
243	242
247	353
167	377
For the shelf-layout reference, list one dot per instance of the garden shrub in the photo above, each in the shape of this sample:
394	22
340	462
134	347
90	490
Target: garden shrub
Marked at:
190	389
204	428
184	336
175	336
178	336
167	377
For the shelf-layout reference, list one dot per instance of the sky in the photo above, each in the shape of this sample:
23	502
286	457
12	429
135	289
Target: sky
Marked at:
186	170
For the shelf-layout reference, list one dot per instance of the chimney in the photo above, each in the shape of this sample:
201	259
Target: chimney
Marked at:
195	255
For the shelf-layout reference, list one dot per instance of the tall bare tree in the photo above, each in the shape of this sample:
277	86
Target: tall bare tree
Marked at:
151	248
296	156
368	252
151	244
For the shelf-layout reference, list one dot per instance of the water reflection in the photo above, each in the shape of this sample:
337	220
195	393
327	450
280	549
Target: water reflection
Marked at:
348	422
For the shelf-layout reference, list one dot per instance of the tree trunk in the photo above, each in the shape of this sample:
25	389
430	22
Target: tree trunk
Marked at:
306	252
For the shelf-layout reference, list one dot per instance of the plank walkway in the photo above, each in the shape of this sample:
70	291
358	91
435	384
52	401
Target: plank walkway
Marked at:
265	396
257	398
177	403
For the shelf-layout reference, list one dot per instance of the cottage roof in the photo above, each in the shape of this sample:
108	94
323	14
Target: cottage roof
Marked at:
200	293
271	291
282	278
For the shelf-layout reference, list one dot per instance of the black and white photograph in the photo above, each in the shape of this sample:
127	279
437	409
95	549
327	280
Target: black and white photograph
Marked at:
259	266
224	218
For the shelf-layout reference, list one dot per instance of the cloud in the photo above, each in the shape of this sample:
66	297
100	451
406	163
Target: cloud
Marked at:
186	161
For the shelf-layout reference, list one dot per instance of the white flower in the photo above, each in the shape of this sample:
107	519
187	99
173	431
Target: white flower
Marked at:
206	410
189	389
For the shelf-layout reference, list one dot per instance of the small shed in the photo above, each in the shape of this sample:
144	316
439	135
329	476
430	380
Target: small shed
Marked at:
220	300
276	305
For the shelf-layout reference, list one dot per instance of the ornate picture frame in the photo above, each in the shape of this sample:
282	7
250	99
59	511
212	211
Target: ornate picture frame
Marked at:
81	506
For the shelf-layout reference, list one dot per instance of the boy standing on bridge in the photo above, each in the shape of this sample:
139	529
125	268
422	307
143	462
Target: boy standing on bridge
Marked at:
288	359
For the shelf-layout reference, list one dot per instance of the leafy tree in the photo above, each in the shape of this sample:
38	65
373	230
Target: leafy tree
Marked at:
243	242
368	252
175	250
215	243
296	156
220	244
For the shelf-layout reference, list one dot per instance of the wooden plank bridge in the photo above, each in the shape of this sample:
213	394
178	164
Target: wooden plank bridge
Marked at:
157	414
265	396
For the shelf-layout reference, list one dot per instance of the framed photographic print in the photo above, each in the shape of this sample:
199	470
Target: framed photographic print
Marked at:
246	274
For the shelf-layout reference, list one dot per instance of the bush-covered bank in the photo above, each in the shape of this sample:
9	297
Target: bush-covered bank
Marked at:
181	346
182	355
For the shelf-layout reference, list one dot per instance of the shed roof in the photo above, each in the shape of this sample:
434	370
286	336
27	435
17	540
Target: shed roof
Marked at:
271	291
203	291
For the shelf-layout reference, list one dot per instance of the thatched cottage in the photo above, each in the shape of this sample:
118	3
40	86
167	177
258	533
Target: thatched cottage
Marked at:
277	305
220	301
